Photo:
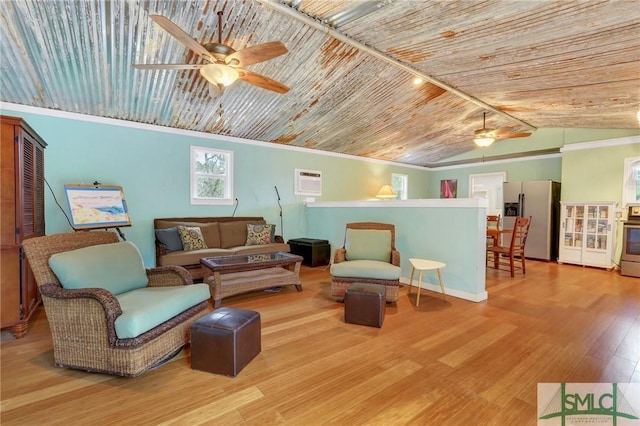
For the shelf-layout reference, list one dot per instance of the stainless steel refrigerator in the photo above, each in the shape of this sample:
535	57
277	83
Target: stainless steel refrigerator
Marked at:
541	201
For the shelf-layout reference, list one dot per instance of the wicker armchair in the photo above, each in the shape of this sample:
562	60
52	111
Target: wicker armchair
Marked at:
346	270
82	320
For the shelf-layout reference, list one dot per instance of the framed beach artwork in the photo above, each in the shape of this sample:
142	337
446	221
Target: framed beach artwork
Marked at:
97	206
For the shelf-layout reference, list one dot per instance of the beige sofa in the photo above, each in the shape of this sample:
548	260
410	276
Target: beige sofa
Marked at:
224	236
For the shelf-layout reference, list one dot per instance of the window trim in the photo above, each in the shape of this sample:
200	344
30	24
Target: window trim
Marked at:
228	199
628	191
404	191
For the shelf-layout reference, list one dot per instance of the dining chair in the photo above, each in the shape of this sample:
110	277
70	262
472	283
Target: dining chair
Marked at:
505	256
493	229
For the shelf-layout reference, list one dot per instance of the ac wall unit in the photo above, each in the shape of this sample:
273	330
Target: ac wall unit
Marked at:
308	182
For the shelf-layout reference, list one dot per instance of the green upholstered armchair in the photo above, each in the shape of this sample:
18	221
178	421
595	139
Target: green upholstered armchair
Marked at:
369	256
107	313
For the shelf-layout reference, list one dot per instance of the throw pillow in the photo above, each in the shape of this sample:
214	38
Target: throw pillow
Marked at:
116	267
258	234
170	238
191	237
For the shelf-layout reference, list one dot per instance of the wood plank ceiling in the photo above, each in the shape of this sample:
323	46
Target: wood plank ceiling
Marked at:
530	63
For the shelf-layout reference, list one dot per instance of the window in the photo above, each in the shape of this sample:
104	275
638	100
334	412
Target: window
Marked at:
400	184
631	181
211	176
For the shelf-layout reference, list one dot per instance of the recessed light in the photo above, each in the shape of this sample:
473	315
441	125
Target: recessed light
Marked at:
417	81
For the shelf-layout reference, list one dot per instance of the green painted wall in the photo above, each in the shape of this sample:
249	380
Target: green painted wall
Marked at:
544	139
595	174
152	165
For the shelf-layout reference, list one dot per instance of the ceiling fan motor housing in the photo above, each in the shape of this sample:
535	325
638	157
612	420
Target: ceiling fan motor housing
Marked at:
219	51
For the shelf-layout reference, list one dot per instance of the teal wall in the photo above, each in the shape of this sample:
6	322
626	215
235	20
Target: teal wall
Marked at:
152	166
448	233
518	170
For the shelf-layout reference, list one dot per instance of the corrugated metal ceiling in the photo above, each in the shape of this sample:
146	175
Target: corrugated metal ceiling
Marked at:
545	63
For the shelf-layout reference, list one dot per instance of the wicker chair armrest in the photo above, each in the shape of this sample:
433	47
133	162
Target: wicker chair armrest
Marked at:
340	255
278	239
107	299
164	276
395	257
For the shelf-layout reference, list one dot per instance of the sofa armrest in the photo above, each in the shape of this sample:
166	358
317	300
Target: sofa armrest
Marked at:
165	276
161	250
395	257
340	255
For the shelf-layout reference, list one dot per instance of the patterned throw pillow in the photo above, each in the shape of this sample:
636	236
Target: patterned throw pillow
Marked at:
258	234
191	237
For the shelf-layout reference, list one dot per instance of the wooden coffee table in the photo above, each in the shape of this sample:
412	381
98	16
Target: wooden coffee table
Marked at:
230	275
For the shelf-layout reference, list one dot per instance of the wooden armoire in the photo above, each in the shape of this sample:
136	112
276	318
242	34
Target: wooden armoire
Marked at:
21	217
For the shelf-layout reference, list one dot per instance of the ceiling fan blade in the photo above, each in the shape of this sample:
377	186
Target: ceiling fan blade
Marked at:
168	66
262	81
180	35
258	53
512	135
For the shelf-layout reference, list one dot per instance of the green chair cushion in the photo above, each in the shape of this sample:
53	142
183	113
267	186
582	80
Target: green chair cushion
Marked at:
368	244
117	267
366	269
146	308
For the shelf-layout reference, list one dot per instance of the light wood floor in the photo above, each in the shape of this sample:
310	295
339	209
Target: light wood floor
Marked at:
449	362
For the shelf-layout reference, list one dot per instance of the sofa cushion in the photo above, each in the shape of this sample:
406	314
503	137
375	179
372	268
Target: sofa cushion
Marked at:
192	238
211	234
366	269
210	230
259	234
117	267
368	244
146	308
233	234
170	238
186	258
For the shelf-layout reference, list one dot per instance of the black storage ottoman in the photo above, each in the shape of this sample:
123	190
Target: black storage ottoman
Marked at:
225	341
314	252
365	304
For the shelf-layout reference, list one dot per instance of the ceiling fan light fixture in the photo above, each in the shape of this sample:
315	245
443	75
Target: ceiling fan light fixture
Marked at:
219	74
483	141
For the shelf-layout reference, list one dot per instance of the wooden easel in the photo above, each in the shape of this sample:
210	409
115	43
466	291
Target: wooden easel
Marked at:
97	206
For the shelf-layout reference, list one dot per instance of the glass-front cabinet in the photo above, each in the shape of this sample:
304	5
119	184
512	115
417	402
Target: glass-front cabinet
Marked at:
587	233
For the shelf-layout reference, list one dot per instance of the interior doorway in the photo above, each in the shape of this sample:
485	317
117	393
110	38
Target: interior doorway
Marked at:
489	186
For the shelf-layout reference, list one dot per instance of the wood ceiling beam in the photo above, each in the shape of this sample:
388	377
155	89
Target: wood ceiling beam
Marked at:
295	14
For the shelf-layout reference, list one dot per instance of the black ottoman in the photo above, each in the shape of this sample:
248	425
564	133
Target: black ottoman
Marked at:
364	304
225	341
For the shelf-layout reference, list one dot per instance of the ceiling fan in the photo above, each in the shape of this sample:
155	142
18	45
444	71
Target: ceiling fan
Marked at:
222	64
485	137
